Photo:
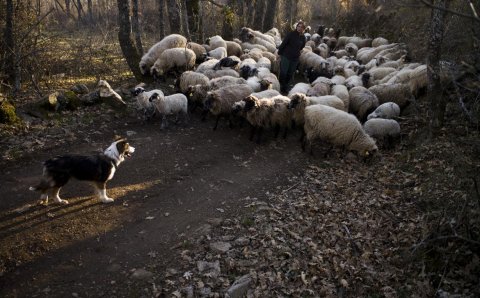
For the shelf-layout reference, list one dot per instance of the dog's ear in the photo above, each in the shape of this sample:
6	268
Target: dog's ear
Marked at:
118	138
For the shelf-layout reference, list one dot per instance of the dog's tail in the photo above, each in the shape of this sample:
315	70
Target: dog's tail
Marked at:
42	186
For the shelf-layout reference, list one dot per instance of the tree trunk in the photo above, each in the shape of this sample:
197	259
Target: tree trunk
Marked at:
270	14
291	14
79	11
241	12
186	31
161	17
174	16
193	7
259	14
90	12
67	7
434	88
11	68
126	43
228	18
251	13
136	27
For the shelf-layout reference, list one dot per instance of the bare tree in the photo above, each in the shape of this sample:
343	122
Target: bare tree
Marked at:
161	18
193	12
130	52
438	101
259	14
11	68
270	14
136	27
186	31
174	16
251	12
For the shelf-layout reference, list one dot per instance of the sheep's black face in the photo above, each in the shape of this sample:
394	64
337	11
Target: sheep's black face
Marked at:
293	103
249	105
207	105
137	91
245	71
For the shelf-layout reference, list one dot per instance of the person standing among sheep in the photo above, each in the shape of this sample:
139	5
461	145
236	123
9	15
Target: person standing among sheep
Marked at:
289	51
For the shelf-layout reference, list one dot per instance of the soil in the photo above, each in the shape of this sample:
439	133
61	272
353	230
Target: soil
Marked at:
297	225
176	180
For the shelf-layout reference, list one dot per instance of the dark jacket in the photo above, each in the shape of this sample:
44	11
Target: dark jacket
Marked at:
291	45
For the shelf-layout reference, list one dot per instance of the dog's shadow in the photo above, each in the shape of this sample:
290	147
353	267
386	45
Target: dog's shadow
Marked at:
26	217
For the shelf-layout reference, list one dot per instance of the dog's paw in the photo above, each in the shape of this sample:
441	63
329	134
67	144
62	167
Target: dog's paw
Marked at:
63	202
106	200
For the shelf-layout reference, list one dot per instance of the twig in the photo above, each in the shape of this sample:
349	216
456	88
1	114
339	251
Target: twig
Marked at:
291	187
355	247
474	17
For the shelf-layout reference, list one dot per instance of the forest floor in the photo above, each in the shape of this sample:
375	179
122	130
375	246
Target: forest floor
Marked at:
203	213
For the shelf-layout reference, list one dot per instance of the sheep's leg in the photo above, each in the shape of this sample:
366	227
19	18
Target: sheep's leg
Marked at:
302	137
277	131
216	122
164	122
186	118
252	132
259	135
204	115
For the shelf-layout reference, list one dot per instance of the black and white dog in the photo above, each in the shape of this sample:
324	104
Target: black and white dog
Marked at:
98	169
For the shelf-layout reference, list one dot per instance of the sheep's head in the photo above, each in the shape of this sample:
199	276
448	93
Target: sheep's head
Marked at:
265	84
137	91
209	101
157	74
296	100
143	67
251	102
238	106
154	97
366	79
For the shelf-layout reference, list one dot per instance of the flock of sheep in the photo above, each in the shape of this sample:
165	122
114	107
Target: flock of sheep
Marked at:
356	87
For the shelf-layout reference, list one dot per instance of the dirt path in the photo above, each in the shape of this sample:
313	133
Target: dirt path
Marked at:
176	182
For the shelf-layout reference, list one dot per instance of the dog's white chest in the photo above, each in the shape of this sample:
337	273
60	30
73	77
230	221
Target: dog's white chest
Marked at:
112	172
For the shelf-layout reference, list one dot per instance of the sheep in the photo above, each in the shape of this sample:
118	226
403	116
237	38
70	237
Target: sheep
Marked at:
299	88
351	49
264	62
378	73
268	81
338	80
217	83
385	131
266	93
321	86
142	98
267	112
212	74
386	110
218	53
216	42
276	36
257	37
190	78
175	58
338	128
362	102
234	49
353	81
341	92
219	102
207	65
175	104
199	92
379	41
397	93
168	42
250	46
418	80
299	101
227	62
199	50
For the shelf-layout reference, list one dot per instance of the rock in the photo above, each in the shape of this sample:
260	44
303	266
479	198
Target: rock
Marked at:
141	274
239	287
220	246
209	268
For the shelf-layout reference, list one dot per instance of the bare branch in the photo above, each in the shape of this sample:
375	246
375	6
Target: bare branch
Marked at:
215	3
473	9
473	17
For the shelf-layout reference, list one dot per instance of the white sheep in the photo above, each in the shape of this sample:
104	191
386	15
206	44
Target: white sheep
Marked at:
199	50
362	102
175	104
341	92
176	58
219	102
385	131
143	103
168	42
379	41
218	53
299	88
206	65
212	74
386	110
338	128
300	101
216	42
234	49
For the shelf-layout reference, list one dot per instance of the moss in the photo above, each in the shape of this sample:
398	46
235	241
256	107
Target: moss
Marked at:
72	100
7	113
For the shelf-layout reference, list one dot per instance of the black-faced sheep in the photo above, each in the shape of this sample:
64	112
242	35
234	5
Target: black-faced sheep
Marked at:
385	131
143	103
226	62
386	110
168	42
173	59
338	128
362	102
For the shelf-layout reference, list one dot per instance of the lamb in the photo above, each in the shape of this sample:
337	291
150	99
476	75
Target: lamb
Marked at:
397	93
142	98
299	101
168	42
386	110
362	102
175	104
219	102
190	78
337	127
385	131
218	53
175	58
